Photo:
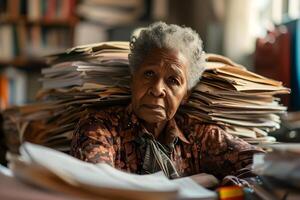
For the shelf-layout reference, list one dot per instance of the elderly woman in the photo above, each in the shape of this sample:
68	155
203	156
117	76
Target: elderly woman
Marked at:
166	62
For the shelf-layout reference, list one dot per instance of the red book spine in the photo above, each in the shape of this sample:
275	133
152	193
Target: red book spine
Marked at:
51	10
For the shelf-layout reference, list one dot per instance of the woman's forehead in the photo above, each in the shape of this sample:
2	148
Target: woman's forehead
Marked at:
165	56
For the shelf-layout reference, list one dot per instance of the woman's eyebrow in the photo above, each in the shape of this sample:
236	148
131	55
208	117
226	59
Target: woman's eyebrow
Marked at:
176	69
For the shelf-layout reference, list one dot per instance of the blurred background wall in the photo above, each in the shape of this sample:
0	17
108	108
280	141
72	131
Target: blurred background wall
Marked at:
263	35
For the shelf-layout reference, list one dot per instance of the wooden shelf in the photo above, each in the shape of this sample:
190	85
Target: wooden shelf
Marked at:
24	63
42	22
34	63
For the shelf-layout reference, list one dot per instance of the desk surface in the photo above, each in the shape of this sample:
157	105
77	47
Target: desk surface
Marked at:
12	189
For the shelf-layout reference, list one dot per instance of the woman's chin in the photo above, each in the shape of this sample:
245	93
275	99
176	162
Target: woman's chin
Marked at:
151	120
152	115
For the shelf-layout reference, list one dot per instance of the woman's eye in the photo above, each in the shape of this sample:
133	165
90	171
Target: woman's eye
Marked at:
173	81
149	74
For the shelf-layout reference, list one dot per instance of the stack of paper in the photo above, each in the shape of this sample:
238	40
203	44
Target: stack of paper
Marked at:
89	75
240	101
60	172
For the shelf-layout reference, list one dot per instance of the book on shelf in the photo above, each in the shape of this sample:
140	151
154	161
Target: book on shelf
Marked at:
3	92
35	10
17	40
7	42
13	87
35	28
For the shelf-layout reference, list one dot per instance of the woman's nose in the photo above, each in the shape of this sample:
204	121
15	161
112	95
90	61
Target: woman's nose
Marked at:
158	89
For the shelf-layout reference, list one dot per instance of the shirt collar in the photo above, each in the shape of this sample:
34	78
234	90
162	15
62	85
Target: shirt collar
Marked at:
169	136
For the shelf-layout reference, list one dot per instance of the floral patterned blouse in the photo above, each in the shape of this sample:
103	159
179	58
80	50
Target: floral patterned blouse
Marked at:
116	136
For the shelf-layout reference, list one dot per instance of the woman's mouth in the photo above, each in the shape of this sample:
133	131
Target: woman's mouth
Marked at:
154	106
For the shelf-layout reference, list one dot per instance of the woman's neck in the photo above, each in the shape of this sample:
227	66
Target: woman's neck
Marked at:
155	128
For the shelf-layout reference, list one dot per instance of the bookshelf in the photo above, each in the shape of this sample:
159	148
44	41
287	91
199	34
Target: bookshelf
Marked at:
29	30
20	59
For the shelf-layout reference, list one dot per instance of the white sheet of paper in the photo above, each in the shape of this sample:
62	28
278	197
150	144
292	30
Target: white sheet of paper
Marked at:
79	173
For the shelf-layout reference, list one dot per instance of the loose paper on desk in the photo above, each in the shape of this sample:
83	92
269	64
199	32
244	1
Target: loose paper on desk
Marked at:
106	181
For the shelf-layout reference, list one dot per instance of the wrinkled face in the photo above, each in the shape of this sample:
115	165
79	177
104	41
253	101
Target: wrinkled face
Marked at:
159	85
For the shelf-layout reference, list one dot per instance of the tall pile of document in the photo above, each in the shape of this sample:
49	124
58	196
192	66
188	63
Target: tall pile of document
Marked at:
242	102
92	75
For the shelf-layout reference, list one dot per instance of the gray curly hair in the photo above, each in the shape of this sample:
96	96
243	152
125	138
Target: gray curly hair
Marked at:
162	35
